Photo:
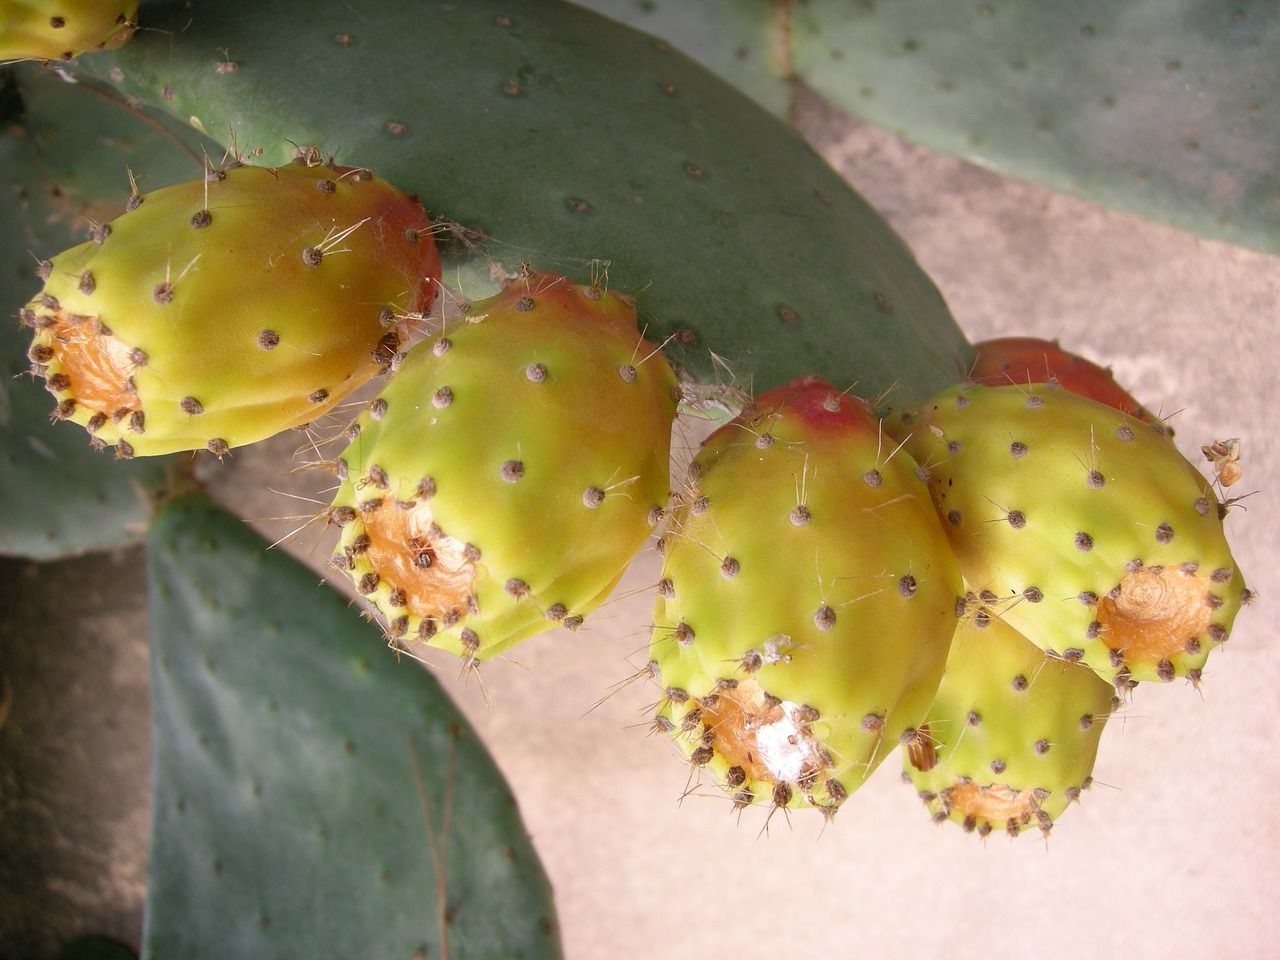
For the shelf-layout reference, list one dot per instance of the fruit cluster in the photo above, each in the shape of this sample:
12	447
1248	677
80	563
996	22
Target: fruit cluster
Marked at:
981	578
977	581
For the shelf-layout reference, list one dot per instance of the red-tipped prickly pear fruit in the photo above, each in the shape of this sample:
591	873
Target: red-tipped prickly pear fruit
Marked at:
1026	360
510	469
1011	740
1083	528
218	312
64	29
806	604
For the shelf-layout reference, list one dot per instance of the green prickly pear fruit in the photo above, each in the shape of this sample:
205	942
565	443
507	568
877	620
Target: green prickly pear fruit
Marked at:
509	471
1011	740
218	312
64	29
1083	528
1026	360
806	604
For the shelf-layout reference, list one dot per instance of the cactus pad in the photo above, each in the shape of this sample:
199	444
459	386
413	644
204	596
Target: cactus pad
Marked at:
314	796
754	268
1164	108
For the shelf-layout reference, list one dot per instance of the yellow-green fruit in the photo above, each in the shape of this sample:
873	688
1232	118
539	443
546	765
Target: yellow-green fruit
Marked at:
509	471
806	604
217	312
1082	527
63	29
1011	739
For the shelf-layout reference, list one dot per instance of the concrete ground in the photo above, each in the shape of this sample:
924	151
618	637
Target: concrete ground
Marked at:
1171	855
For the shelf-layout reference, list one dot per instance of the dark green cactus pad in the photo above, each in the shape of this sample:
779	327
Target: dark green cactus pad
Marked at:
62	497
747	42
313	794
569	140
1165	108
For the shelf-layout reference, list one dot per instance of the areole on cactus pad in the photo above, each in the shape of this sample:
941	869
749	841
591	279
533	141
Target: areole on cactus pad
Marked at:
217	312
806	604
510	470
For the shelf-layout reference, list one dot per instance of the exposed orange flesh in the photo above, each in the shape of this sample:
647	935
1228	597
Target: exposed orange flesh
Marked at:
408	551
1156	612
98	365
997	802
765	737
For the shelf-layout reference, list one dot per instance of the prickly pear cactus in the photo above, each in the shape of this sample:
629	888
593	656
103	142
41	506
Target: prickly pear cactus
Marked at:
505	477
1082	527
313	796
1158	107
806	604
753	271
1026	360
64	29
221	311
1011	739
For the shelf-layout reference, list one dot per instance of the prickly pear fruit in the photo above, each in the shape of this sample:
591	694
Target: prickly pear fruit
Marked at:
806	604
1083	528
216	313
1012	737
510	470
1025	360
64	29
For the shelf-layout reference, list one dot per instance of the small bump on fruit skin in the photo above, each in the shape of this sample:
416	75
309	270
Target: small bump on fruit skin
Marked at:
130	320
767	606
519	473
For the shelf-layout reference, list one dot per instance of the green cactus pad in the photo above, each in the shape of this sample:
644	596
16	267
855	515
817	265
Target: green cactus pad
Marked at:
64	29
221	311
1082	527
806	604
1012	737
511	469
314	796
746	43
1164	108
571	141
